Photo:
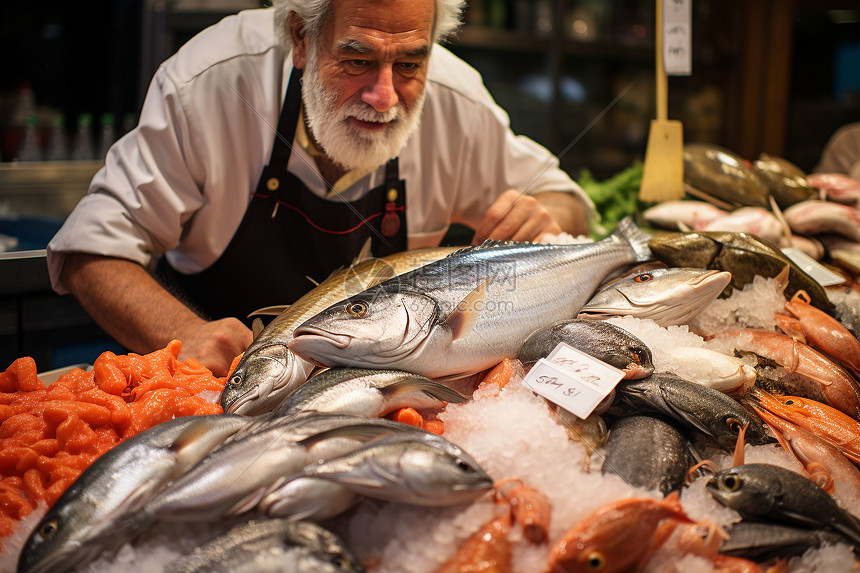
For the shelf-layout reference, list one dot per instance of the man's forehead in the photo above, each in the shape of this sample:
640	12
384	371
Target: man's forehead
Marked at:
389	20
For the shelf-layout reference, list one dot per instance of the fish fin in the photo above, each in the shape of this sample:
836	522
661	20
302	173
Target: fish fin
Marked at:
466	314
364	253
358	431
256	327
684	415
270	310
628	231
785	238
380	275
738	458
315	283
782	277
429	387
487	245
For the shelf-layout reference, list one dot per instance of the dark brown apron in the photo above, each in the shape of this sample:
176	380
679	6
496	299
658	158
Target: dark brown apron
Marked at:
289	234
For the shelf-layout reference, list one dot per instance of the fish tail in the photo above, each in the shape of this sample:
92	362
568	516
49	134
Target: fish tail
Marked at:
638	239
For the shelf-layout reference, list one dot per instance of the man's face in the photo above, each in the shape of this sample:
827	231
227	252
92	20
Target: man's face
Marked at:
363	85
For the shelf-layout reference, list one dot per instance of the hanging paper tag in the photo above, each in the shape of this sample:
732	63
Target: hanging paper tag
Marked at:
572	379
677	37
813	268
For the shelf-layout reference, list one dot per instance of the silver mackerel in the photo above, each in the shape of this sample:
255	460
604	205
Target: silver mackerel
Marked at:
468	311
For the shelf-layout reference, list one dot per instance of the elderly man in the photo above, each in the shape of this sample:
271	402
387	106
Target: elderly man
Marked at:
272	146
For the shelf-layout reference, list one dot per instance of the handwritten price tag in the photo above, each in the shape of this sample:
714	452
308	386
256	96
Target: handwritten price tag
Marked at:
677	37
572	379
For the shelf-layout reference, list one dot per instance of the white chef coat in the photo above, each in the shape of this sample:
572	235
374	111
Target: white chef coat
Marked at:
180	182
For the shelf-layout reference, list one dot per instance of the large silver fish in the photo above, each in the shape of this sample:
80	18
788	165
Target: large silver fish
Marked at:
83	523
270	546
363	392
268	371
468	311
234	478
418	469
696	407
667	296
772	493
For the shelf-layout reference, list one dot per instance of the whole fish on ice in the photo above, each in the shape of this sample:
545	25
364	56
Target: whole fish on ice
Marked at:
232	479
468	311
696	407
82	524
787	182
667	296
742	254
268	371
682	215
363	392
418	468
772	493
721	174
762	541
606	342
271	546
648	452
815	217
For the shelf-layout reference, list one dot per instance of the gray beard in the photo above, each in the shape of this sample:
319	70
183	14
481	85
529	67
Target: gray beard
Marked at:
347	145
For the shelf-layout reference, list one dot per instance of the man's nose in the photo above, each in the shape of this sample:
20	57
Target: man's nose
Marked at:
381	94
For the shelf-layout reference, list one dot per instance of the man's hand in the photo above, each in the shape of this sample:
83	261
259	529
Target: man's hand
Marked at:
141	315
520	217
215	344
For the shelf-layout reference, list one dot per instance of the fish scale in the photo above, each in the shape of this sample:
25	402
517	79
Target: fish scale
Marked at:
467	312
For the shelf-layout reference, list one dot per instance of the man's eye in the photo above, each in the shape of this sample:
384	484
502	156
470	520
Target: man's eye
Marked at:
358	63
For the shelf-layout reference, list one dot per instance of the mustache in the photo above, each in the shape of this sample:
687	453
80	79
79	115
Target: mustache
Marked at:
364	112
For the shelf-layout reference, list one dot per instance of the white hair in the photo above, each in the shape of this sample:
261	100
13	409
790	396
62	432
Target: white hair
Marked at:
315	14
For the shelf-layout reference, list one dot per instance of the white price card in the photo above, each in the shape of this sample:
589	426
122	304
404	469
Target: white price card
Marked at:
677	37
822	275
572	379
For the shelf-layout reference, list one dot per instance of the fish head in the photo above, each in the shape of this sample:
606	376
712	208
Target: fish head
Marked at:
61	541
667	296
685	249
437	476
755	431
742	489
325	547
373	329
263	379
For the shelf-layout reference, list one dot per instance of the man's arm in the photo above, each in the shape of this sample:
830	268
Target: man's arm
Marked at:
140	314
520	217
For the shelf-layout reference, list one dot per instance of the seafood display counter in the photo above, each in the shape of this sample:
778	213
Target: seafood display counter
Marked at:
673	400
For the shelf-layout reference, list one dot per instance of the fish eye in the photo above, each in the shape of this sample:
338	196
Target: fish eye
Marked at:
732	483
464	466
595	561
643	278
341	562
357	309
48	530
788	402
734	424
235	380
